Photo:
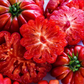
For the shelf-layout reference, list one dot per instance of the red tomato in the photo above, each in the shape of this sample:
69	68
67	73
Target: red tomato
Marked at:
14	13
72	27
43	82
6	80
13	64
71	70
64	12
41	40
53	82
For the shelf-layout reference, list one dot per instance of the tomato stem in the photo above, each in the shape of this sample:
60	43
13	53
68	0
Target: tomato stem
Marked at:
74	63
15	9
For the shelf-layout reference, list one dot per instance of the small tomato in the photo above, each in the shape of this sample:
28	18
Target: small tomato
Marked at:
54	82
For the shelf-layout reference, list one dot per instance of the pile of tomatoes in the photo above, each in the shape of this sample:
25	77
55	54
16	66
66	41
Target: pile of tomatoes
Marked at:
34	41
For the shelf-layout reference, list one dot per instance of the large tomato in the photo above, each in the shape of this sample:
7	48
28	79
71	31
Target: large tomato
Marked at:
69	67
14	13
71	22
43	40
13	65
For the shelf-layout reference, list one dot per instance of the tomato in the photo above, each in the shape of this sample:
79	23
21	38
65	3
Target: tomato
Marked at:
14	13
69	66
41	40
43	82
14	65
63	13
53	82
72	27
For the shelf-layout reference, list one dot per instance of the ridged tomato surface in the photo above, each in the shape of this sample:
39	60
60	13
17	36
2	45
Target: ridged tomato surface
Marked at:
43	40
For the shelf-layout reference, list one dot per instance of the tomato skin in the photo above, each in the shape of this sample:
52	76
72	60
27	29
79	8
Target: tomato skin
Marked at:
82	71
57	71
15	82
3	20
68	78
7	81
61	60
1	79
78	78
5	3
60	71
11	23
43	82
54	5
81	55
40	3
53	82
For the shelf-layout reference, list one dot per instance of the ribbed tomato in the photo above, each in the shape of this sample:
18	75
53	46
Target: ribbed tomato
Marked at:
71	22
69	66
14	13
13	64
43	40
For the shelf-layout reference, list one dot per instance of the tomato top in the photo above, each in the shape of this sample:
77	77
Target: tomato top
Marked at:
69	66
74	63
15	13
15	9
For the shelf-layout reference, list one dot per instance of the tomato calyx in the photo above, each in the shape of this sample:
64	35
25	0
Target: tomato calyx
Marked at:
15	9
74	63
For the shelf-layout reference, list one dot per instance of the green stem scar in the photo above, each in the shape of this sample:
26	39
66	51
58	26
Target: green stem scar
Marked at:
15	9
74	63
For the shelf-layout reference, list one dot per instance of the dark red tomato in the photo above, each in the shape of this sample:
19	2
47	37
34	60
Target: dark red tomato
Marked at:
13	64
14	13
43	82
69	67
53	82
